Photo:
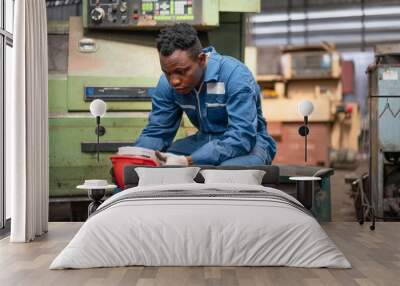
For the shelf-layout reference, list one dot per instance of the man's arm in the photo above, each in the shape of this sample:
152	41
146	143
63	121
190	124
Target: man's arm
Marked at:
164	119
240	136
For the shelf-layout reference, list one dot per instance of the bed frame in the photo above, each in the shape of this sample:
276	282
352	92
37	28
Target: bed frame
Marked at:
276	176
270	179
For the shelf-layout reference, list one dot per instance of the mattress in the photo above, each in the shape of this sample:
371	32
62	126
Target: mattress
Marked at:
201	225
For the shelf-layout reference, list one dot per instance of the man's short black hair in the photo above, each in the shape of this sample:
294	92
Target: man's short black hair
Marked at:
179	37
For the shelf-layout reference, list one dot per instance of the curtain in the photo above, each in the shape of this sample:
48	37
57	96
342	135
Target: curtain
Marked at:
27	124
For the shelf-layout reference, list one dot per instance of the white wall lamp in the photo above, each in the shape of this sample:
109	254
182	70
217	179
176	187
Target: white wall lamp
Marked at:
305	108
305	184
98	109
97	188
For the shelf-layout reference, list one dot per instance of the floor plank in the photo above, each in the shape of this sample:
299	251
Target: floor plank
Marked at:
375	257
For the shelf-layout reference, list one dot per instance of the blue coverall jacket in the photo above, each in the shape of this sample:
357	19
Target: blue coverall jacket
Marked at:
226	110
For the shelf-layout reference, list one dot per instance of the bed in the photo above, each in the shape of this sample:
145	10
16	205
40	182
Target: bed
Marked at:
197	224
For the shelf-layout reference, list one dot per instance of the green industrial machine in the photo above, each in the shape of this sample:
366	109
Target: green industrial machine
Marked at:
111	55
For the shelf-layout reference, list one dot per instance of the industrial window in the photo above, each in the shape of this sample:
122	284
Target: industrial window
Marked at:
350	24
6	44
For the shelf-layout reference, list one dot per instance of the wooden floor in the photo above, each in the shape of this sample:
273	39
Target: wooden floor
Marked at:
375	257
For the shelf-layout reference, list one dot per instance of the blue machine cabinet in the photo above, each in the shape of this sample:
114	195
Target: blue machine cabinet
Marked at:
384	100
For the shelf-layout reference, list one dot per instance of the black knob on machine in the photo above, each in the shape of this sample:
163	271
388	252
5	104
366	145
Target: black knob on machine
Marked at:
97	14
114	8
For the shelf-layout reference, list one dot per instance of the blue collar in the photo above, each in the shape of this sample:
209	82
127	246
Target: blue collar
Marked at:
213	64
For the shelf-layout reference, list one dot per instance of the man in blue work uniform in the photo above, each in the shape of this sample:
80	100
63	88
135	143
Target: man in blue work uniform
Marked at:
220	97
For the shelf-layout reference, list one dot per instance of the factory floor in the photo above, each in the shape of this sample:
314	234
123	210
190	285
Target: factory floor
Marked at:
342	204
374	256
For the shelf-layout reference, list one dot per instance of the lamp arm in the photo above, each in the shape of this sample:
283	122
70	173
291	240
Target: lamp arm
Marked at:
98	136
305	138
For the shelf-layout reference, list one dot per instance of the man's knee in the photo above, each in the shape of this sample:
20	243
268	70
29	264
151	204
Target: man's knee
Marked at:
268	160
178	148
184	146
247	160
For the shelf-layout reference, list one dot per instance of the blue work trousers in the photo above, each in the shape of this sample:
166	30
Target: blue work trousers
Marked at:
187	145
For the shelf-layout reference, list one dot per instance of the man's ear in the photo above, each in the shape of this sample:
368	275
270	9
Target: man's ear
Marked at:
202	58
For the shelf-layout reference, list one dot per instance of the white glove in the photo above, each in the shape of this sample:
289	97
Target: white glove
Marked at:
172	159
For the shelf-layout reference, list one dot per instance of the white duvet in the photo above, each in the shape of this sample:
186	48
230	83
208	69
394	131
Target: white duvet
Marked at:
188	231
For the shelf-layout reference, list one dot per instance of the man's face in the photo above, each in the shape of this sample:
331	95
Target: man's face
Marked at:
183	73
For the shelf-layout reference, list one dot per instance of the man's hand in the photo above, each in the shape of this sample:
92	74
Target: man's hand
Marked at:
172	159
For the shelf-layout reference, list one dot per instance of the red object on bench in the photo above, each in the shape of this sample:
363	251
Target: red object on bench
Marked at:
120	161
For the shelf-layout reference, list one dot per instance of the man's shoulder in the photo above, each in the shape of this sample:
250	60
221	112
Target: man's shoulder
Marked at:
228	62
164	89
235	74
231	66
163	84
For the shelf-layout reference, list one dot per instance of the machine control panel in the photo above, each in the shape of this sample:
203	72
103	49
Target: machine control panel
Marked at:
118	93
131	14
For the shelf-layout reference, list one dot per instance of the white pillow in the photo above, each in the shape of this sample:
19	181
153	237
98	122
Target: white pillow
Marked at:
166	176
248	177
